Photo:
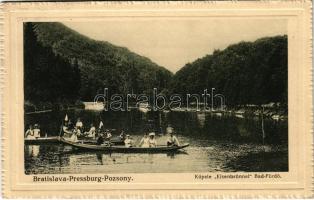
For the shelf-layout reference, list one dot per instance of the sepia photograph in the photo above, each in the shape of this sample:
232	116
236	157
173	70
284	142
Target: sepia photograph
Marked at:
147	100
156	95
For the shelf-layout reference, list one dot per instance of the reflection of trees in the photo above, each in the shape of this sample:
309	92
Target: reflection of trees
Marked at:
201	118
244	130
192	124
156	121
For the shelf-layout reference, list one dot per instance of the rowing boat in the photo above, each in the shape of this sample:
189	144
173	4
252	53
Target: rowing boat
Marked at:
123	149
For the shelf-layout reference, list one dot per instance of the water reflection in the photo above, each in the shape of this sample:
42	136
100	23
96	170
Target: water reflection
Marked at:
32	150
99	158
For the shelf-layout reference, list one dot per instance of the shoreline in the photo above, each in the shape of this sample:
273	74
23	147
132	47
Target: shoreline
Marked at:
270	112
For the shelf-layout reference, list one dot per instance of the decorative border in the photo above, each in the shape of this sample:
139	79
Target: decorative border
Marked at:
14	13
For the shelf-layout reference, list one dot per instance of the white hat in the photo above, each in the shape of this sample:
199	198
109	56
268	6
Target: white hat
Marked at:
151	134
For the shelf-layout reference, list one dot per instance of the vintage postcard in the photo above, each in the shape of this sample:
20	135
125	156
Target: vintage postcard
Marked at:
157	99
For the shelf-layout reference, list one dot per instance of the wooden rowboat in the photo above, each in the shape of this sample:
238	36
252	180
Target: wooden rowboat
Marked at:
123	149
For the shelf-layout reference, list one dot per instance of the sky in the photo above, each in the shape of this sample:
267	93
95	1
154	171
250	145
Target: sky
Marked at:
172	43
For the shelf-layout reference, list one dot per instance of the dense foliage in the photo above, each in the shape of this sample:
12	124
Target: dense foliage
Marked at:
47	77
245	73
60	64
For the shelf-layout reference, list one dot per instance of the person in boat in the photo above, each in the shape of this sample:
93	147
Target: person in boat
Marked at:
128	142
75	134
122	135
29	134
152	140
169	129
100	139
92	132
36	131
144	141
79	124
108	135
172	140
66	129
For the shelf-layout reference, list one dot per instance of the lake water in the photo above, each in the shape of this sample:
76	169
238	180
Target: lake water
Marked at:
218	143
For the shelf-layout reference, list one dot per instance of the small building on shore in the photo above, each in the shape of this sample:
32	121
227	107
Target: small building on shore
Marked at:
94	105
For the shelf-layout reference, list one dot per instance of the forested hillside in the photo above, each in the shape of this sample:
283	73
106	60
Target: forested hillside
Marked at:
245	73
61	65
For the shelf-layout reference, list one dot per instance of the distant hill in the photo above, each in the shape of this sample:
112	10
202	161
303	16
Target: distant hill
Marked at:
63	65
245	73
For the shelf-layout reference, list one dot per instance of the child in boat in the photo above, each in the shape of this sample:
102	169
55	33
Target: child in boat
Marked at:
128	142
152	141
36	131
144	141
29	134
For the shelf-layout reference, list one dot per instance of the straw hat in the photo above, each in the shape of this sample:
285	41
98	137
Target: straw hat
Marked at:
151	134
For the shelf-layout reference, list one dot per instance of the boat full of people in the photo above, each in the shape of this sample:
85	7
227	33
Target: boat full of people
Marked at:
125	149
74	132
102	139
148	144
79	133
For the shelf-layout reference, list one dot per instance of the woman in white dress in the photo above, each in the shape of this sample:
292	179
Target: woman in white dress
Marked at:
144	141
152	141
29	134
